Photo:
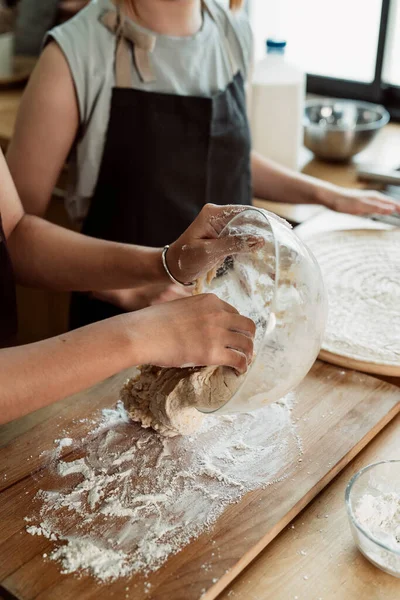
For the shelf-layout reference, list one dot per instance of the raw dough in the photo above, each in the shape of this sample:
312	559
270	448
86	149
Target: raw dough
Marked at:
165	399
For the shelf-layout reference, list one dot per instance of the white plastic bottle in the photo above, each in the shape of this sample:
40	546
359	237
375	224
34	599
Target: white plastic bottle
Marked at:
277	106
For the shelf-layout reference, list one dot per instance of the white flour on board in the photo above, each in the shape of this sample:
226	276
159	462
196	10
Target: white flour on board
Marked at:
129	498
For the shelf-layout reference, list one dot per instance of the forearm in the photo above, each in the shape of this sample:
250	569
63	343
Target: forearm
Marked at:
279	184
47	256
39	374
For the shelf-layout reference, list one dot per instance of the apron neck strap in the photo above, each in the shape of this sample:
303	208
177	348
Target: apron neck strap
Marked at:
144	44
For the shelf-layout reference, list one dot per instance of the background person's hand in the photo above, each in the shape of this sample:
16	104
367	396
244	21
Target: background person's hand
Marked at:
198	250
362	202
198	331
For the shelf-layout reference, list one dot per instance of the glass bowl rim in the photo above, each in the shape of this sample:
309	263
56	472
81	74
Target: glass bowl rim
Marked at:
351	516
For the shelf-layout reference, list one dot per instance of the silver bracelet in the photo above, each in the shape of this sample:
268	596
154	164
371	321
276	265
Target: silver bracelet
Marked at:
172	278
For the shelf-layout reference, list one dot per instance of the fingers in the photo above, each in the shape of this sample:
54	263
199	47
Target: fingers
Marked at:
214	218
382	205
369	203
234	359
240	342
233	244
232	320
240	324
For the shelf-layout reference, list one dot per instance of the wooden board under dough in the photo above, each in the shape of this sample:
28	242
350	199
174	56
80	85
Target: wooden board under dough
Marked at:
338	412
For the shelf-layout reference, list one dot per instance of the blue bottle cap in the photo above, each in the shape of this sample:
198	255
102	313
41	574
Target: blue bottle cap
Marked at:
275	44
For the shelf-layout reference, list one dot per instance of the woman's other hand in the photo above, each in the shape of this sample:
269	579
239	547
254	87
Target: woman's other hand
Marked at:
198	250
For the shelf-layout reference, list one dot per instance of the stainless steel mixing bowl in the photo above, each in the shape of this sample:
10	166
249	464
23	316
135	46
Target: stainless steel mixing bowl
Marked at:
335	130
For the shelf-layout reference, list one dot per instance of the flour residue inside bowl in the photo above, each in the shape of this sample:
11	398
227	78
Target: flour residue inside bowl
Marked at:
128	499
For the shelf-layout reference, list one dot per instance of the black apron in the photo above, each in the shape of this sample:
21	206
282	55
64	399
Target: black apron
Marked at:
165	156
8	303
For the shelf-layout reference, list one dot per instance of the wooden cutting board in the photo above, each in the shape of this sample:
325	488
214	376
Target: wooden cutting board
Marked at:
338	412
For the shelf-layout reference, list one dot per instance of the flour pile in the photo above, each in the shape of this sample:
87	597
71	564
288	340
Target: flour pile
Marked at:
380	515
130	498
361	271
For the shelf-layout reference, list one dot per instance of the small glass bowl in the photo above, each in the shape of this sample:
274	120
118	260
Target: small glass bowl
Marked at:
382	477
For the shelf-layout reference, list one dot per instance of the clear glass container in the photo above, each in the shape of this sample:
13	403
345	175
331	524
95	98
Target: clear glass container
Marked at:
280	287
379	480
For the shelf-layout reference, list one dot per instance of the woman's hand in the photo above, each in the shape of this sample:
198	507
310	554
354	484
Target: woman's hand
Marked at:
198	331
199	249
361	202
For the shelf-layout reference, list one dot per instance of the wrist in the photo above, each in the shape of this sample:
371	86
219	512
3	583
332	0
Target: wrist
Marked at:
125	340
326	194
157	272
129	266
134	329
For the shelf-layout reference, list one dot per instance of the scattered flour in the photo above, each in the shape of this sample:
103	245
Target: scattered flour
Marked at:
64	443
130	498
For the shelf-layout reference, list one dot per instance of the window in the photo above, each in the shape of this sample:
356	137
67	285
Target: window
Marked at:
391	69
349	48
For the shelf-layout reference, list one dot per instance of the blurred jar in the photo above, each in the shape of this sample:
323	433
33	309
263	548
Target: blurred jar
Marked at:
277	106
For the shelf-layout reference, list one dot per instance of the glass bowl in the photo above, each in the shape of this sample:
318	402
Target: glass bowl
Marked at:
375	482
280	287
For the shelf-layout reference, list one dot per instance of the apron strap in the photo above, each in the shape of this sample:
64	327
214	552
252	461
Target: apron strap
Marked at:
144	44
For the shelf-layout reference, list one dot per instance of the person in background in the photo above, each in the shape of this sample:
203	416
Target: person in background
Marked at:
147	97
201	330
36	18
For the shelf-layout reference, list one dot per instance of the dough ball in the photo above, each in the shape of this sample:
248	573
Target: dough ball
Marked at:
166	399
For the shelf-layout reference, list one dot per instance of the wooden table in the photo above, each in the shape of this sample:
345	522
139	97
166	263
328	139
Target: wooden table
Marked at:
315	556
10	100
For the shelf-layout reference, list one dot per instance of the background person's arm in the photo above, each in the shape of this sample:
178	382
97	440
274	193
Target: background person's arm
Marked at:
279	184
46	127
